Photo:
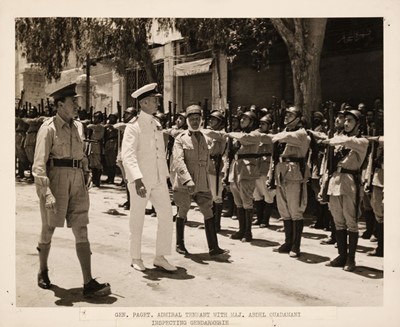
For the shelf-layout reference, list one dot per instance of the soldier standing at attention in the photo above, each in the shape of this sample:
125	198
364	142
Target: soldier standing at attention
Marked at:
244	172
96	147
110	148
144	160
215	171
190	163
263	196
291	175
344	188
61	176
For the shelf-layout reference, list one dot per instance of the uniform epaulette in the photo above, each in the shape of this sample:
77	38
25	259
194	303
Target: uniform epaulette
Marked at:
49	120
133	120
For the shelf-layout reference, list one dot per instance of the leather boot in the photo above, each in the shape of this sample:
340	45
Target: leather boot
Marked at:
217	216
248	236
319	224
259	207
341	239
350	262
229	204
297	233
212	239
369	224
241	218
287	246
180	229
378	252
266	214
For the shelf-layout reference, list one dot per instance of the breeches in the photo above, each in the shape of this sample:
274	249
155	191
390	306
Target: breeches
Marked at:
377	203
343	209
261	191
291	199
217	197
242	192
203	199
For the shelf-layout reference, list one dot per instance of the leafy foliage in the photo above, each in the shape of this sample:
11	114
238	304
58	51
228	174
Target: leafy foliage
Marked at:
117	42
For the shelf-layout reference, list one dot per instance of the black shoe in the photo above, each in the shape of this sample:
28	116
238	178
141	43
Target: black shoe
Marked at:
218	251
328	241
43	279
180	248
122	205
127	206
95	289
285	248
339	261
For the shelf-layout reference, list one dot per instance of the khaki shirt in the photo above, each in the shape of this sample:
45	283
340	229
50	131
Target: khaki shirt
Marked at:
191	158
340	183
143	150
56	139
297	145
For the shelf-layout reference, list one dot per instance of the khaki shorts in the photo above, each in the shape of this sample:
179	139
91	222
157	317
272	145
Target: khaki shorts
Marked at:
72	198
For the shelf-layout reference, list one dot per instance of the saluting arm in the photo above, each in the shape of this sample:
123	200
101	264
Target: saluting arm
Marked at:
295	138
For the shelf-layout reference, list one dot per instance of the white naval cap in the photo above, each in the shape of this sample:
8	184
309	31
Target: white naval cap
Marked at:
146	91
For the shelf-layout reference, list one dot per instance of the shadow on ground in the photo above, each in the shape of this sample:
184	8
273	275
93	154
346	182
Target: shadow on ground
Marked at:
312	258
67	297
368	272
156	274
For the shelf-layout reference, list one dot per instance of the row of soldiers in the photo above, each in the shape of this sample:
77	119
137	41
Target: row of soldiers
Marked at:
261	157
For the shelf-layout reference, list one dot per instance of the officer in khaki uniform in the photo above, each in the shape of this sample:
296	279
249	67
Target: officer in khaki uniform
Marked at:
96	147
144	160
61	177
191	159
344	188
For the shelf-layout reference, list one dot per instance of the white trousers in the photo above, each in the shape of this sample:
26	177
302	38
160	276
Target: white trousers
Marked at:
159	197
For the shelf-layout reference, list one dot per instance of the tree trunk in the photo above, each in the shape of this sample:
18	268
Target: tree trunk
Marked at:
304	40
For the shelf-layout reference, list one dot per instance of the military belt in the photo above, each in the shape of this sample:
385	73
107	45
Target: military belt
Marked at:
291	159
247	156
347	171
71	163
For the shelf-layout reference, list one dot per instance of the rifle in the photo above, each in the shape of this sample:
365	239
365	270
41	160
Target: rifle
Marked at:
169	114
275	147
119	111
105	116
229	149
328	167
205	113
371	164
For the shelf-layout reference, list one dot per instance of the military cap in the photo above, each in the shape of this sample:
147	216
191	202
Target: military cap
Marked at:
146	91
217	114
160	116
250	114
98	114
318	114
267	119
193	109
264	111
294	110
66	91
355	113
182	113
130	110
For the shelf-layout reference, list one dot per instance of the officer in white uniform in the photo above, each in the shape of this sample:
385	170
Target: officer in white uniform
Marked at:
144	160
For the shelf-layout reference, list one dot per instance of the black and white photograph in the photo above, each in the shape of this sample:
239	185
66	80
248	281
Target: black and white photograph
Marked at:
217	164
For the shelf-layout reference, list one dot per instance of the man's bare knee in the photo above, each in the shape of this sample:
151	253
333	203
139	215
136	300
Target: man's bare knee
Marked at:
46	234
80	233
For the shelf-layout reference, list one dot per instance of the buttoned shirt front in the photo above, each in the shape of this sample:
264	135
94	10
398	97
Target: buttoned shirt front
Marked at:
56	139
191	157
297	145
143	150
341	183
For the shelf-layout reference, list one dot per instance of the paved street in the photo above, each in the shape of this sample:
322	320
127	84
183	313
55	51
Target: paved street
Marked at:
253	275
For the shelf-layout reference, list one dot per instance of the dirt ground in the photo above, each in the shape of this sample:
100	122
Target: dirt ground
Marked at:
252	276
